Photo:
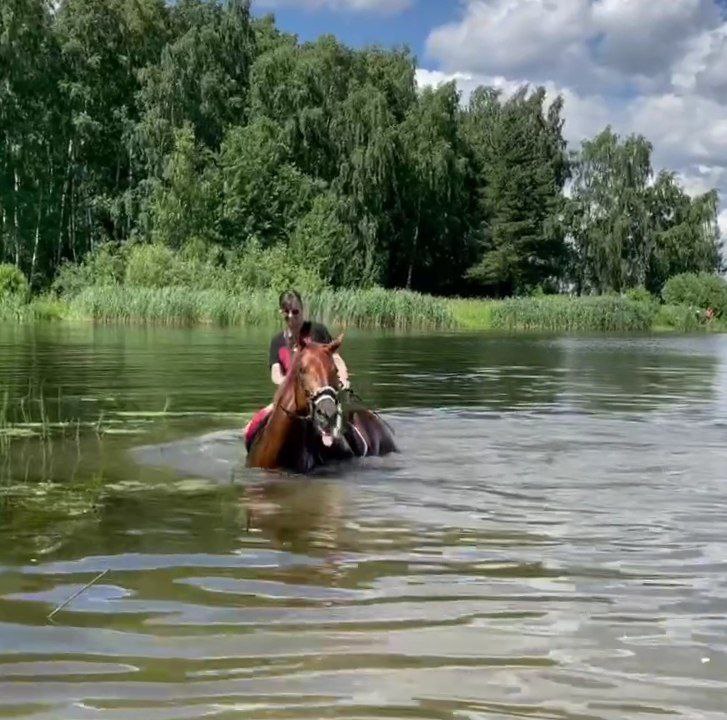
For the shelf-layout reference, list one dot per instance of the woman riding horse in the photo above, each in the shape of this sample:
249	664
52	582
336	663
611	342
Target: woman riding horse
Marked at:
284	343
305	425
283	346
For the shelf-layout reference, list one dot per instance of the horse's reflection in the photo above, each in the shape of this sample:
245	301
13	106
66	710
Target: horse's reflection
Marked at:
301	516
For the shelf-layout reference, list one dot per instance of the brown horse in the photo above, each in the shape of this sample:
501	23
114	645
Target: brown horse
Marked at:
307	426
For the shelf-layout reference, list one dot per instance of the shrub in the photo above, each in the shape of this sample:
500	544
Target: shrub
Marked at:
702	290
640	294
272	268
12	282
104	266
151	266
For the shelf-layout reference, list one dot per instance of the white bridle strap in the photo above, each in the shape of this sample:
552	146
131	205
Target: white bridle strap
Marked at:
324	393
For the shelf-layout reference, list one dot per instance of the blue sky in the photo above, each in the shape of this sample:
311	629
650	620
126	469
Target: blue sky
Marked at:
409	27
655	67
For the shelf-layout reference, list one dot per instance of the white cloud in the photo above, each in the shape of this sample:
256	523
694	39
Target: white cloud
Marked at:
686	128
388	7
579	43
466	83
642	38
655	68
701	69
534	38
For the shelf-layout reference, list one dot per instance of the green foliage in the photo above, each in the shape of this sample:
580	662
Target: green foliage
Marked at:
257	161
682	318
685	229
521	168
151	266
629	233
697	290
106	265
183	206
323	242
640	294
432	247
201	78
15	308
261	269
12	282
264	193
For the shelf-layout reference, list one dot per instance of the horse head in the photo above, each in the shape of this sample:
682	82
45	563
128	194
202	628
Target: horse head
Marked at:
317	385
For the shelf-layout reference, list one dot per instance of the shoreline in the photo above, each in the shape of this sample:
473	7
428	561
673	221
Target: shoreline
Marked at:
374	309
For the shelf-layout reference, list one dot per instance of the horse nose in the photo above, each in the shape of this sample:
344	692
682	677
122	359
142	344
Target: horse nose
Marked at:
327	413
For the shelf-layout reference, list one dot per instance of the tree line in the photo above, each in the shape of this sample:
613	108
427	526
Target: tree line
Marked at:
202	128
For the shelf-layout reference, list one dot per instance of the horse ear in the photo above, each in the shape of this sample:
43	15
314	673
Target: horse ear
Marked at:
332	347
304	335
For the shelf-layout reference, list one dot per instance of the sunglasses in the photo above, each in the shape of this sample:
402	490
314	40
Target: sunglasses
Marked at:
294	312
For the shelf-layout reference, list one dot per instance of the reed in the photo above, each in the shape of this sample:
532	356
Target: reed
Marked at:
370	308
574	314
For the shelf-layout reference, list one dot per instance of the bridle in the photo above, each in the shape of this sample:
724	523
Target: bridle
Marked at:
320	396
314	400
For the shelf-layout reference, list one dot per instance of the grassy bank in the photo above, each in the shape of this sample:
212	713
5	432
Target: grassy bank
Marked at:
367	309
567	314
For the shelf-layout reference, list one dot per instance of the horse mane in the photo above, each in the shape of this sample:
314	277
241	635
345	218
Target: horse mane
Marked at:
288	381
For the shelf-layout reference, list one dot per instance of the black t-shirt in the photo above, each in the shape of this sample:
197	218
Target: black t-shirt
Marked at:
280	350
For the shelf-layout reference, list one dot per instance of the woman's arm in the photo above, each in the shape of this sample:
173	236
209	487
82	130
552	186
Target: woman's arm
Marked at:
276	374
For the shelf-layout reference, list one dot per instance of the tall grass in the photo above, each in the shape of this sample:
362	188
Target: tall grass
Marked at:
570	314
379	308
13	308
373	308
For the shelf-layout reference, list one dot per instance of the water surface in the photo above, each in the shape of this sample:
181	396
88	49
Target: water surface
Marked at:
550	543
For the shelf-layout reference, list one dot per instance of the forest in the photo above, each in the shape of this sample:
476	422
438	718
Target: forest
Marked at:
135	131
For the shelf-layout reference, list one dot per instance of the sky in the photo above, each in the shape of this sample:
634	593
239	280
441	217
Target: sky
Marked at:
654	67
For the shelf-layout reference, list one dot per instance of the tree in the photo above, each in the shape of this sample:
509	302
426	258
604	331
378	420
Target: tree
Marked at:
184	206
202	78
432	251
519	155
264	193
29	113
629	231
687	235
104	44
324	242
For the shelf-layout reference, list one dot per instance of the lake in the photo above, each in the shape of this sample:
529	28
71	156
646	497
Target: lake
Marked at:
550	543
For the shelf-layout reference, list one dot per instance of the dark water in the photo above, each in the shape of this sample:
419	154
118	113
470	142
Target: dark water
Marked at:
551	543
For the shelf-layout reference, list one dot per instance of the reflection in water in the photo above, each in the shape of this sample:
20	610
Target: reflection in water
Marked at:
549	544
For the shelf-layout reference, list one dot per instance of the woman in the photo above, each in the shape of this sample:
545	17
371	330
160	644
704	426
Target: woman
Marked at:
283	346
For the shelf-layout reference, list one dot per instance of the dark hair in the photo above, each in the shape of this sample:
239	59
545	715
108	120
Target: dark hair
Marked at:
286	298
